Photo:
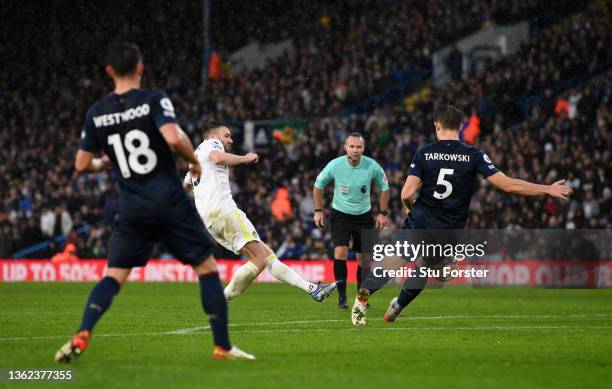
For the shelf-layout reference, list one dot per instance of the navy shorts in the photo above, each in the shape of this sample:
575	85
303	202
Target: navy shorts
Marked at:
430	235
178	226
422	218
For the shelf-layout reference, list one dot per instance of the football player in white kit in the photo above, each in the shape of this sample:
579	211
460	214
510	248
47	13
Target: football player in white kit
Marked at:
228	225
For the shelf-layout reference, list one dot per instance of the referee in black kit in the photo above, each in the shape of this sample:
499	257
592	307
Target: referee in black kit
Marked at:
352	175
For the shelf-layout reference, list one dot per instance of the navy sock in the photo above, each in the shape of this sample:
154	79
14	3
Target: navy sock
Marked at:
340	275
406	296
373	283
359	270
215	306
413	286
100	300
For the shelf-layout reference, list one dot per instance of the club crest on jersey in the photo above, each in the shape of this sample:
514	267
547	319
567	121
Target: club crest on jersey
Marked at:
364	189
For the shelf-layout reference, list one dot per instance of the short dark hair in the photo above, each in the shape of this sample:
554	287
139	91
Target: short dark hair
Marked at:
449	116
355	135
123	57
211	126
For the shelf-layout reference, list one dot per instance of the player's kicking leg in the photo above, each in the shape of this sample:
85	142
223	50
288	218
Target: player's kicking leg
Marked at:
282	272
260	256
238	234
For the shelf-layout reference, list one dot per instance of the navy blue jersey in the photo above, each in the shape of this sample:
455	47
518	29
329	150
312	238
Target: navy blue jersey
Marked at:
126	127
448	171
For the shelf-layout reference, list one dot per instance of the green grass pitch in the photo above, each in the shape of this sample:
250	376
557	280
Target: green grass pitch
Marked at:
448	338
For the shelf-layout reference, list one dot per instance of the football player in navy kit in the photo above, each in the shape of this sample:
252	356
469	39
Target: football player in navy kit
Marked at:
444	175
136	129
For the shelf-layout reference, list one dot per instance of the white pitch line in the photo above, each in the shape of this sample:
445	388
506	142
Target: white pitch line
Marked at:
500	328
480	328
186	331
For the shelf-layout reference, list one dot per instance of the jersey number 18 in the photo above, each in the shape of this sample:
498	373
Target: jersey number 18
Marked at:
140	159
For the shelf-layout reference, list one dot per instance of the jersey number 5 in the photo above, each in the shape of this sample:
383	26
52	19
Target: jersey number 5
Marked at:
141	159
444	183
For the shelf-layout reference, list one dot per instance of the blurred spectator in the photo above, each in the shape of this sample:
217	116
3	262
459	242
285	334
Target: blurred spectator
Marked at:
56	222
281	205
68	255
472	129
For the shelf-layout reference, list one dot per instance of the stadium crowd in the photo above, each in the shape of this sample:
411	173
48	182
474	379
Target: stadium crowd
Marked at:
567	134
352	52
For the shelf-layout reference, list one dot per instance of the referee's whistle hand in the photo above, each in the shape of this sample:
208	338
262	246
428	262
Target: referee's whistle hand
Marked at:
381	221
318	219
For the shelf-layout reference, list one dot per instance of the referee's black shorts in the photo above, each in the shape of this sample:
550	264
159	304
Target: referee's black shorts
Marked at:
344	226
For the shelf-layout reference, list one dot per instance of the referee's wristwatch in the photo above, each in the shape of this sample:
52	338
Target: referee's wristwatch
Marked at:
318	210
384	213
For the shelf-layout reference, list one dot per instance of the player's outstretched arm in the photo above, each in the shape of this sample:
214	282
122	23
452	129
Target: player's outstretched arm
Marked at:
524	188
229	159
411	187
86	162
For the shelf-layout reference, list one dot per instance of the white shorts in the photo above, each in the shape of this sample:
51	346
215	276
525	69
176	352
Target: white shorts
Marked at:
233	230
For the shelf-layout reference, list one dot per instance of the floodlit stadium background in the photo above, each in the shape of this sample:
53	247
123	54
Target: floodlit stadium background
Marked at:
532	78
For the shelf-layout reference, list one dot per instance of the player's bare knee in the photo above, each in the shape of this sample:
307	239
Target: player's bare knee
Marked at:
119	274
256	253
340	252
209	265
267	250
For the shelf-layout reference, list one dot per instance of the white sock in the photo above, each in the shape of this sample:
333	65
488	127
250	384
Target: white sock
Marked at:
244	276
282	272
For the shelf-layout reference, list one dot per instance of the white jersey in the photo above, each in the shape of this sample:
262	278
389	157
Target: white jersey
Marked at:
212	192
